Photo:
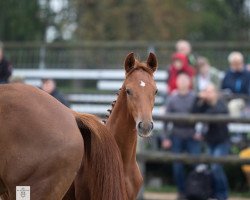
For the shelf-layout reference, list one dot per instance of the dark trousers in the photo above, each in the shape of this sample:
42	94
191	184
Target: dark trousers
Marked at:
220	179
181	145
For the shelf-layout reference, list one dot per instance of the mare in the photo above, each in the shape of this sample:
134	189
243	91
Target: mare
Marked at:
131	115
43	144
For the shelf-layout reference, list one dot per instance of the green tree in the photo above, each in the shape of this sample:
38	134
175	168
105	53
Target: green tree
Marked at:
114	20
162	20
20	20
218	20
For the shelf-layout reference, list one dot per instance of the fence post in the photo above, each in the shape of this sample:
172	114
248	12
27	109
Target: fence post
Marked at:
42	55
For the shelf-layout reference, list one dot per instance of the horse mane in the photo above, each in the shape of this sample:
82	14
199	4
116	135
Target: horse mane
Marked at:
138	65
112	107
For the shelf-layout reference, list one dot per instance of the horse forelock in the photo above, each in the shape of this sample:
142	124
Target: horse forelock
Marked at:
140	65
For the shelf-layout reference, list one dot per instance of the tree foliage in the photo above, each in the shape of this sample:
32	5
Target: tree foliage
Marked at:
150	20
20	20
162	20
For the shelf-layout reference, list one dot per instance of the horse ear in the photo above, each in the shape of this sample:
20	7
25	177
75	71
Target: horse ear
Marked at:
152	62
129	62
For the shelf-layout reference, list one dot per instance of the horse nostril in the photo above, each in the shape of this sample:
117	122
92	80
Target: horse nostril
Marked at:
140	125
152	125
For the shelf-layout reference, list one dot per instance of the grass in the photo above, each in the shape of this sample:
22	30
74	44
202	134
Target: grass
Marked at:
240	194
164	188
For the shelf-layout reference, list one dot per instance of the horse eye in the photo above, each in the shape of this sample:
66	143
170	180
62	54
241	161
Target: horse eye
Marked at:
156	92
129	92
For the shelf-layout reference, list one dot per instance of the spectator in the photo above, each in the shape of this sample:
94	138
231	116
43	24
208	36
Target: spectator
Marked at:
5	66
206	74
179	65
183	138
49	86
216	136
237	79
184	47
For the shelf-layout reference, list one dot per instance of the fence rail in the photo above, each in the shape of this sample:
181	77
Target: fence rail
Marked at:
81	74
111	54
166	157
193	118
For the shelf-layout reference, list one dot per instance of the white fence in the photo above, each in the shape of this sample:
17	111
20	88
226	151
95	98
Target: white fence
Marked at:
108	79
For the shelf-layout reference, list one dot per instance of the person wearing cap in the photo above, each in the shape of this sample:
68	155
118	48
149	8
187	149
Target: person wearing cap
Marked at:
5	66
179	64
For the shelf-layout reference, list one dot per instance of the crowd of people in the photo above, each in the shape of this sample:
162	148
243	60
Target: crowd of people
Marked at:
194	86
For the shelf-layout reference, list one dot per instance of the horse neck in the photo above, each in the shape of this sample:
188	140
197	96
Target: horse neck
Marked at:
122	126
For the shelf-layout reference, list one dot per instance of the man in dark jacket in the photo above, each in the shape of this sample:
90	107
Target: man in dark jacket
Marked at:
5	67
216	135
49	86
237	79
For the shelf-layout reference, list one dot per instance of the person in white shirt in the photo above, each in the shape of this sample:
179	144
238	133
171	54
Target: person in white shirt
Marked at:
206	74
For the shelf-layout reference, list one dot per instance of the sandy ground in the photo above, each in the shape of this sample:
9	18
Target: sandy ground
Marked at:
172	196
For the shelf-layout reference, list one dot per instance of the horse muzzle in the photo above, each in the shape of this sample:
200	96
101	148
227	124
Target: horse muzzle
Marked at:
144	129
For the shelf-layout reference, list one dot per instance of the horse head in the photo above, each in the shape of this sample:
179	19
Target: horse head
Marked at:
140	91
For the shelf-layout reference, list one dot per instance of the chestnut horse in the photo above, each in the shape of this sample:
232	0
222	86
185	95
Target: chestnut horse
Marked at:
43	144
132	114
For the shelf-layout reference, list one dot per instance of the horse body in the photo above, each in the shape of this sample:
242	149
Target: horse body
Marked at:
45	145
132	114
40	143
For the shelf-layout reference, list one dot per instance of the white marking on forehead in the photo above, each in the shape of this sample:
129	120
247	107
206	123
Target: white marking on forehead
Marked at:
142	84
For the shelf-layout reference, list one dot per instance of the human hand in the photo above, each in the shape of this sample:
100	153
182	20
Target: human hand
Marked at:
198	137
202	95
166	144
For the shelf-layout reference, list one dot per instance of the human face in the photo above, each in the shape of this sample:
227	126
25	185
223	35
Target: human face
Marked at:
183	82
211	94
237	64
177	64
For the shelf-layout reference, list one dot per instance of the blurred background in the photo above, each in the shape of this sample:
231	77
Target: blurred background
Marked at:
79	46
69	33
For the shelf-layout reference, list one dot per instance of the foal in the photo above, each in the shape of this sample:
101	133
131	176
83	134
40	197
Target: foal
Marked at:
132	115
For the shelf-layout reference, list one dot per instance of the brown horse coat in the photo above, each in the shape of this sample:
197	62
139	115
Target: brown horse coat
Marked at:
41	146
40	143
